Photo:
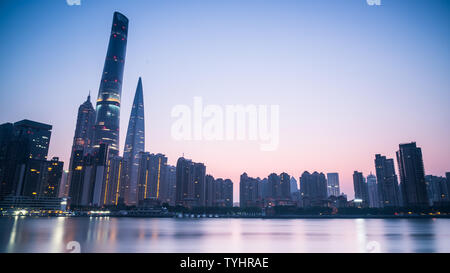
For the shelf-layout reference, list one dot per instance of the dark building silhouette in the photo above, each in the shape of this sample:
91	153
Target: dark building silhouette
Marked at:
249	189
35	136
285	186
313	189
7	166
227	193
23	154
210	194
151	176
109	94
437	189
77	172
447	176
360	187
333	184
412	175
89	178
134	144
372	191
51	174
111	189
83	139
190	187
279	188
222	192
169	186
388	189
274	185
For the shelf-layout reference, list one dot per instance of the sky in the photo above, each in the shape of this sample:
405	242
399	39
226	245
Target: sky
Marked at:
351	80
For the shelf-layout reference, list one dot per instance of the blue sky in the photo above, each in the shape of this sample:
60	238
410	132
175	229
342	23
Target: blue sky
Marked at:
351	79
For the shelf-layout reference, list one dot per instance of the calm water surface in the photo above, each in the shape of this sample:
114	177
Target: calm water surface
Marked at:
25	234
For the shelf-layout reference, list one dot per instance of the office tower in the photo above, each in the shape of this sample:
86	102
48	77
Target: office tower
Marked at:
151	172
209	191
285	186
84	131
274	186
134	144
111	189
218	185
360	187
447	176
39	178
101	163
264	188
388	189
36	138
412	175
51	175
333	184
23	151
222	193
437	189
90	177
77	176
249	192
372	189
109	94
6	165
64	185
190	187
199	184
313	189
227	193
294	185
169	185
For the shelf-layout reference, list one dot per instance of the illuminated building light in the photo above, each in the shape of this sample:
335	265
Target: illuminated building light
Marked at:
159	174
118	183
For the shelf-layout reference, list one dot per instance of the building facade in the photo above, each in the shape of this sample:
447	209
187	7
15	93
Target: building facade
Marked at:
83	139
372	189
107	121
313	189
388	189
190	186
360	187
333	184
412	175
249	192
151	177
134	144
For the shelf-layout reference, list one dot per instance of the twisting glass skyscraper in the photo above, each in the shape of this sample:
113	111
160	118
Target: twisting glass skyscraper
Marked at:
134	144
108	101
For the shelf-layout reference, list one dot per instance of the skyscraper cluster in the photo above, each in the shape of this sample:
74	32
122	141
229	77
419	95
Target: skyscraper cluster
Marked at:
380	191
100	177
415	189
24	168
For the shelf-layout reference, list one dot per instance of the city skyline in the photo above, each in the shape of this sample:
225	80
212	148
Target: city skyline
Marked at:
311	154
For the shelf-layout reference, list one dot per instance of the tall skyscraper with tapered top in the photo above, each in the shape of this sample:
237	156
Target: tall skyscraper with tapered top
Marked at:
84	134
134	144
109	94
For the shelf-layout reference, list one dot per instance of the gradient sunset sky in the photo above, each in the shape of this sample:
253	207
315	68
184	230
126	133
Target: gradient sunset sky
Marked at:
351	80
